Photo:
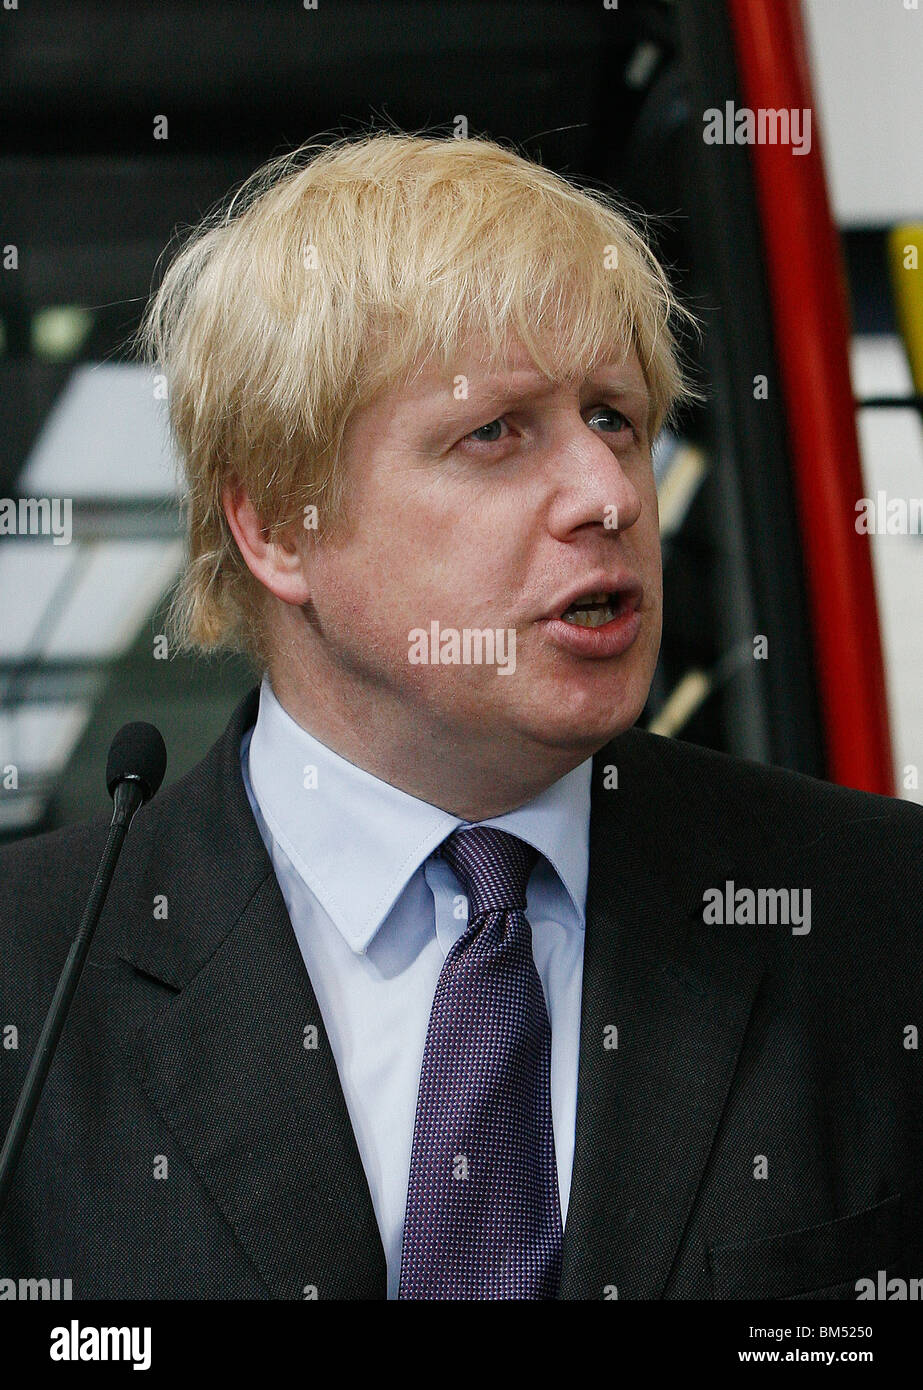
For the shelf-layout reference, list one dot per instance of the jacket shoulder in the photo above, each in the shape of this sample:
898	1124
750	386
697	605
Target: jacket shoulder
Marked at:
40	870
732	777
769	815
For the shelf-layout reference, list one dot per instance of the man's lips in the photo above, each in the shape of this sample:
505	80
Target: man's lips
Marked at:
624	590
611	638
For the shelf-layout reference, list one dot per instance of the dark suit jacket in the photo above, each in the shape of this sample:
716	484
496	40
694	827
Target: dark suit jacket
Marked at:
185	1042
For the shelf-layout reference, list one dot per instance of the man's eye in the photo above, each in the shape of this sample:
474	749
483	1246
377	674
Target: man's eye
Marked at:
488	434
622	421
478	435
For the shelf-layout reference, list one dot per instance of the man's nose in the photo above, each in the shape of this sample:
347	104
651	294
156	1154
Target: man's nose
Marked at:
593	486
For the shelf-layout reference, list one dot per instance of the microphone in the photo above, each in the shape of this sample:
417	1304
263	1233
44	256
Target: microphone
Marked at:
135	767
134	771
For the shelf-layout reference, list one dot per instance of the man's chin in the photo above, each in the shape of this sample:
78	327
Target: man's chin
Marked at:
589	703
588	730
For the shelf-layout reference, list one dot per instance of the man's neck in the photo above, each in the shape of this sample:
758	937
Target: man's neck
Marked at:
436	766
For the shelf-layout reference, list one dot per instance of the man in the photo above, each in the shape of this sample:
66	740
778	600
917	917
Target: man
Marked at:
434	979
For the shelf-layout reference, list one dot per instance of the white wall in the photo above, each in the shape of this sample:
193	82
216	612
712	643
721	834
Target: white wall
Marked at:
867	65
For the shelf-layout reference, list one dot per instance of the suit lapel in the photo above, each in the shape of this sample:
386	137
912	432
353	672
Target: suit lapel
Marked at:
680	994
260	1116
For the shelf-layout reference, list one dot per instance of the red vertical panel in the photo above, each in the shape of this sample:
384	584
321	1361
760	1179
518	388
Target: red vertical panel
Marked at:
812	335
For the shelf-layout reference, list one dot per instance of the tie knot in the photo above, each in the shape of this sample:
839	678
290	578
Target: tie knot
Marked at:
492	866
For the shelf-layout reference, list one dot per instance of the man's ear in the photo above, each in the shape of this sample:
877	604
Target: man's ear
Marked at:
278	564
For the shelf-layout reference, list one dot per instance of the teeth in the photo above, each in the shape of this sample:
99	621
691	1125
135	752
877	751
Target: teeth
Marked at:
591	617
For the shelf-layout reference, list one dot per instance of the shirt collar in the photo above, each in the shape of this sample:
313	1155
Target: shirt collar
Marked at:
356	840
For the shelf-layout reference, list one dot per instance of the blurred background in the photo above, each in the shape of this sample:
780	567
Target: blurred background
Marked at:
790	637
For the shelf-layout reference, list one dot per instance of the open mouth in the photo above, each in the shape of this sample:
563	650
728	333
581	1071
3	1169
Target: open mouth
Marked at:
595	610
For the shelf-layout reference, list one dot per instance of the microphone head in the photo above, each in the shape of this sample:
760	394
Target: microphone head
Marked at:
137	753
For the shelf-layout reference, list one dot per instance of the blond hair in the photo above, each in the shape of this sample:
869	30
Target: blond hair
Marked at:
333	271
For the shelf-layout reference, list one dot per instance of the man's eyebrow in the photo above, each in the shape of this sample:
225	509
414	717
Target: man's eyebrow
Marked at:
495	391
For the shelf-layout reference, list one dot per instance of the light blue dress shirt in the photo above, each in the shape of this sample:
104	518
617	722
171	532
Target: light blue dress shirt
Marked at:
375	919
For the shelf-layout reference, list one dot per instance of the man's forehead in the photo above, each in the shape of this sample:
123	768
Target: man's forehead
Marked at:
517	374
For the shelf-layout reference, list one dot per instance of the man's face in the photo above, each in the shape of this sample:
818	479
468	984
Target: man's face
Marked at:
491	513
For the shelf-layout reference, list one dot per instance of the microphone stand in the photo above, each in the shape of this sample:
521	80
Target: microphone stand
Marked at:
129	795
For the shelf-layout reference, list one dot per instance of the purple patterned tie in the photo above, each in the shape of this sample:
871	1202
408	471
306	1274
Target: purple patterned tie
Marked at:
483	1215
